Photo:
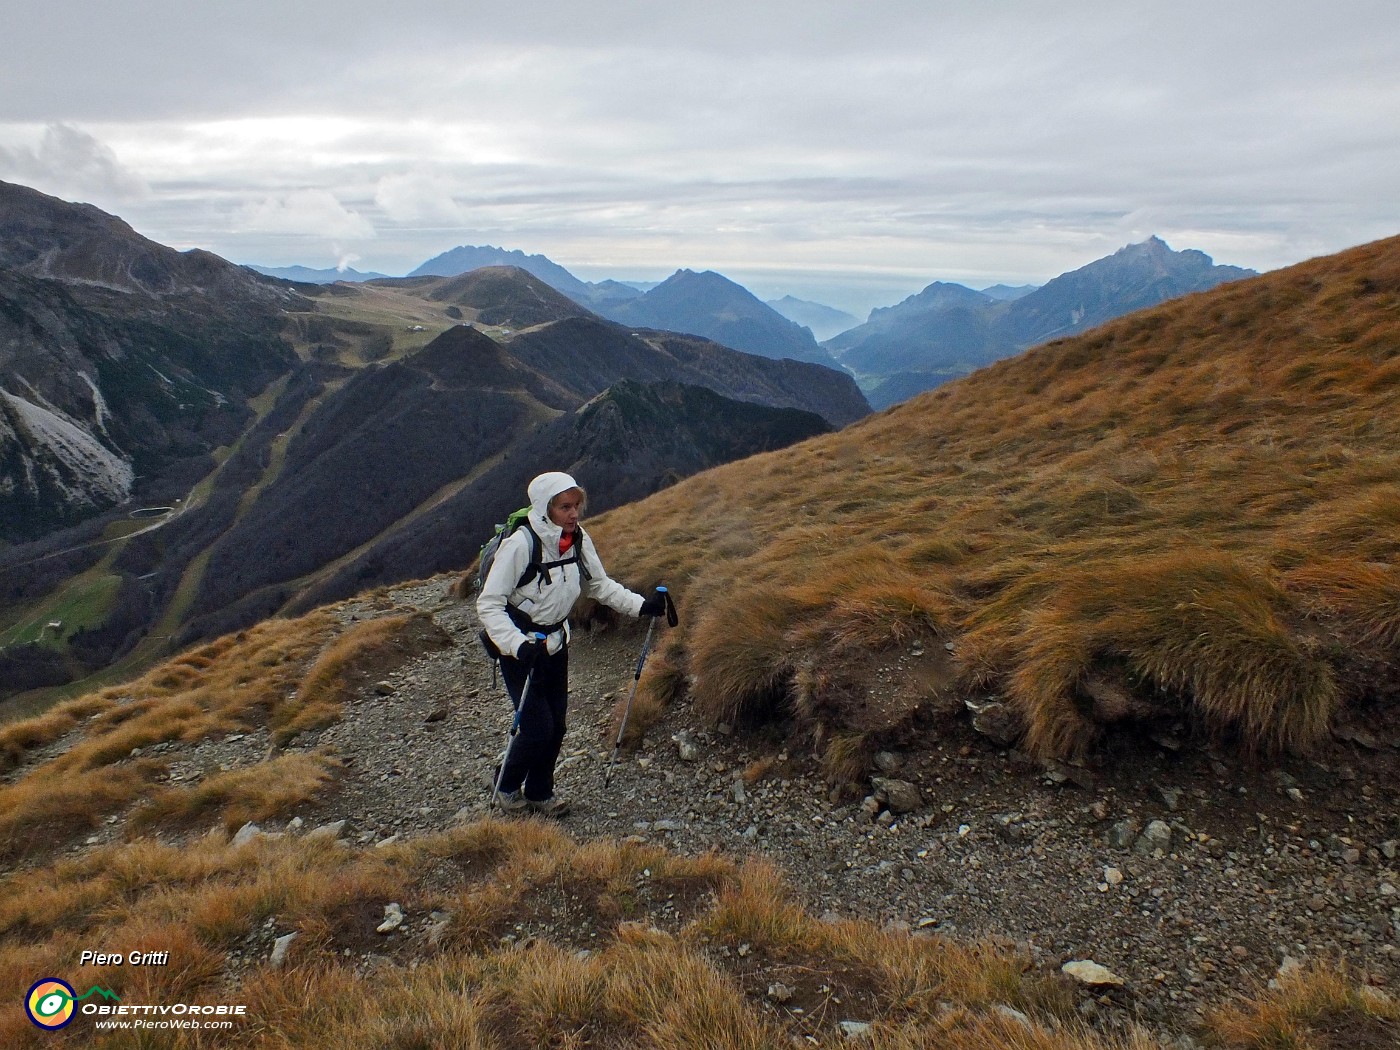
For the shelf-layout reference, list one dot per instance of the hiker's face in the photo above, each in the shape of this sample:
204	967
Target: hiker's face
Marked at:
565	508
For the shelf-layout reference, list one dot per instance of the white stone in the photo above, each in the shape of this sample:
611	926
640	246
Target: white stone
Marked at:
393	918
1086	971
279	950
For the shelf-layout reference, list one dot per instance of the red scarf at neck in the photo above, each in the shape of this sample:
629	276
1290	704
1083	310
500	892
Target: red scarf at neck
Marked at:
566	542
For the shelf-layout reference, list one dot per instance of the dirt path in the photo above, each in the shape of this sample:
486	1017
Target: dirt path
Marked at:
1263	864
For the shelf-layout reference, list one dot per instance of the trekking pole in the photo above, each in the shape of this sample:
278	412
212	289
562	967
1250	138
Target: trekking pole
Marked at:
637	677
514	728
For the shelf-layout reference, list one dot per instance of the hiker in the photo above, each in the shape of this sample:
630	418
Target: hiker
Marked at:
518	600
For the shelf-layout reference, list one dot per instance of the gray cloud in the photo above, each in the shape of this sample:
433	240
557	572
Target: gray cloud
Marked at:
897	142
69	161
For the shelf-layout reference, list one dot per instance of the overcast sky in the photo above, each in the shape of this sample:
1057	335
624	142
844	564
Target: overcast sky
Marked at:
847	152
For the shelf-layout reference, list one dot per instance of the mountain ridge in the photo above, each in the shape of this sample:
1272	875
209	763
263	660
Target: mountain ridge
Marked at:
274	432
711	305
948	330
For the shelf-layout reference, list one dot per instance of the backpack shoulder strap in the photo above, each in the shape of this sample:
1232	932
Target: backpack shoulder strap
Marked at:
579	540
536	558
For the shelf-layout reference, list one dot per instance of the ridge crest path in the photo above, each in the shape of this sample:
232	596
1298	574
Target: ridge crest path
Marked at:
1263	863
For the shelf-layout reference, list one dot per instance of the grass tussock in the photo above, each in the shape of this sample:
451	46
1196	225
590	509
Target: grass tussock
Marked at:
1361	599
1194	630
253	793
38	810
662	683
371	648
1258	422
283	675
681	952
1315	1007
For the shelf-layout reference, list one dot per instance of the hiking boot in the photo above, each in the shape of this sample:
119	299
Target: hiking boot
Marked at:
512	801
552	807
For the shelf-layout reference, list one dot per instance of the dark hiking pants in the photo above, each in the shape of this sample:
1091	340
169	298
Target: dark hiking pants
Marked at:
535	749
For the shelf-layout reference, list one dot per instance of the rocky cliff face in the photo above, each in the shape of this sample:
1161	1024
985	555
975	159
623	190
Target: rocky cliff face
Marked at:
118	357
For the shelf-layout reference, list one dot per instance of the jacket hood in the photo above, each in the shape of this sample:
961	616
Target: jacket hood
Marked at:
543	489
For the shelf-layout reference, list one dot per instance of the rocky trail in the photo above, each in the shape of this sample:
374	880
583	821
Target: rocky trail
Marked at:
1186	873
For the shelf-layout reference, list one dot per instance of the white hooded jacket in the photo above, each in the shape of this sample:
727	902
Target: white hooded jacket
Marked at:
545	603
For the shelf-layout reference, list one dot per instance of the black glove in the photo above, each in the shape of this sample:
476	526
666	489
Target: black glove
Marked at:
653	606
529	650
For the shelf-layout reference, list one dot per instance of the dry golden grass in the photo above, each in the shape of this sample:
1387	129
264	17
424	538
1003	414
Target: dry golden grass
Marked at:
376	644
238	682
1226	464
652	978
251	793
1313	1008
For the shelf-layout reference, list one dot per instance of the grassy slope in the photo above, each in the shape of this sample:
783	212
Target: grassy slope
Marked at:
1193	509
1222	468
681	953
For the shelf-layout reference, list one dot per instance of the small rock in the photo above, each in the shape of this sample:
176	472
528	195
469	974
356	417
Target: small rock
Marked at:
1124	833
279	950
436	715
724	729
1099	810
386	842
686	746
1295	794
780	993
1013	1015
886	761
899	795
385	688
996	721
1156	836
1086	971
326	831
854	1030
667	825
247	833
393	919
1113	876
438	930
1171	796
738	791
1389	849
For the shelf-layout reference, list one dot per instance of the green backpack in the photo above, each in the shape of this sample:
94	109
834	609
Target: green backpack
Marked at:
537	567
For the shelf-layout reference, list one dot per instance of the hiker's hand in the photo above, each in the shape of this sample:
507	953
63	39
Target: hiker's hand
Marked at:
653	606
528	651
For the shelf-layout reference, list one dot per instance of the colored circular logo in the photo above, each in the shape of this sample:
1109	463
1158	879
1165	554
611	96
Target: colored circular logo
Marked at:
49	1003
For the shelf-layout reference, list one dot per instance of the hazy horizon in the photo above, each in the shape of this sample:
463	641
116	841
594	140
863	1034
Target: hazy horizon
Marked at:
812	149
